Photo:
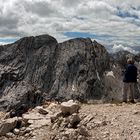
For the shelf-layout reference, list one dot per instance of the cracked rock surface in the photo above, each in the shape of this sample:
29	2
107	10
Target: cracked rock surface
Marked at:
39	68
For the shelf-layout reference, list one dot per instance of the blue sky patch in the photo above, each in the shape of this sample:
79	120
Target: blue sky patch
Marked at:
7	40
86	34
125	14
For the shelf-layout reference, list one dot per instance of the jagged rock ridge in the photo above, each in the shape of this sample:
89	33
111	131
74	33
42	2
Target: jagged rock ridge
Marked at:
37	68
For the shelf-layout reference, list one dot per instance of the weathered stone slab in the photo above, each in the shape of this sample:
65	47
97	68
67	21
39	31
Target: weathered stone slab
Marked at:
7	125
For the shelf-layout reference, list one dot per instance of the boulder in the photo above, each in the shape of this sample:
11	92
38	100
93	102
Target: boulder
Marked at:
83	131
74	120
69	107
16	131
7	125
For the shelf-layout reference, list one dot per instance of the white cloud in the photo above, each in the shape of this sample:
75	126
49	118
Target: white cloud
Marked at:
120	47
99	17
4	43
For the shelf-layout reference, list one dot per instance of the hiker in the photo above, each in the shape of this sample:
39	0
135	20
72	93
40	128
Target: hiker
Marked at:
129	81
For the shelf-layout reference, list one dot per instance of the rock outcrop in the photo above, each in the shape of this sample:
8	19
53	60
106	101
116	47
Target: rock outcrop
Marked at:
39	68
7	125
80	66
69	107
93	121
33	121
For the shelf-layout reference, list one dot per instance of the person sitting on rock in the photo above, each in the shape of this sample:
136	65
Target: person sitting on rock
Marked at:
129	81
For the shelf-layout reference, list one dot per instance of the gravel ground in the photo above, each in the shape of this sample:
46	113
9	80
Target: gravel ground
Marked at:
102	121
119	121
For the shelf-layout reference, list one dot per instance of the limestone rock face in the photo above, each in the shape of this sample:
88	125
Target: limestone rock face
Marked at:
37	68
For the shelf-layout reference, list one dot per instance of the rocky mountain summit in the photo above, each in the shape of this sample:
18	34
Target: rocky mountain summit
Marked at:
40	76
73	121
39	68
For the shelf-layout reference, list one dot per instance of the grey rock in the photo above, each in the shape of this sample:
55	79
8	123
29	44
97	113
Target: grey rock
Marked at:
55	116
69	107
79	70
24	66
34	69
16	131
7	125
83	131
87	119
41	110
74	120
9	135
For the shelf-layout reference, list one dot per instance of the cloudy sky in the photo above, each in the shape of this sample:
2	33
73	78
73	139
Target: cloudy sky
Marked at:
113	23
